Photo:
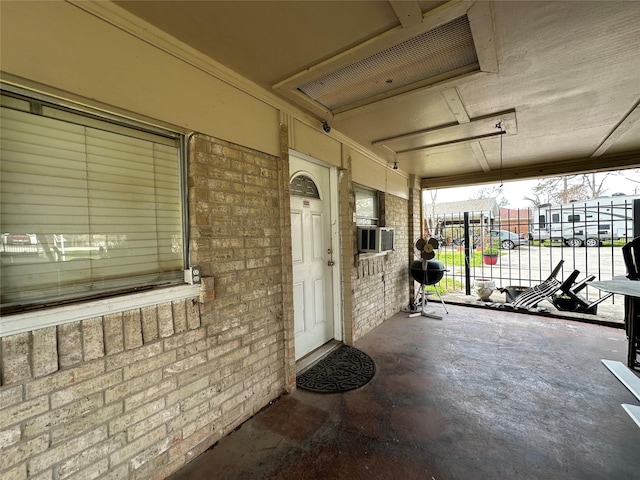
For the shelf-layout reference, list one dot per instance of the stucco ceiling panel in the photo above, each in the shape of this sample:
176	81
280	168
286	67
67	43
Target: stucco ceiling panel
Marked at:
569	69
267	40
459	159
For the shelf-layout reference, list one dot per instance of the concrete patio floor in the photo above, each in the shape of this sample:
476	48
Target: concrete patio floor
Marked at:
481	394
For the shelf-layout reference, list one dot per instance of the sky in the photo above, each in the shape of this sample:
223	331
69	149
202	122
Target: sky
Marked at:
515	192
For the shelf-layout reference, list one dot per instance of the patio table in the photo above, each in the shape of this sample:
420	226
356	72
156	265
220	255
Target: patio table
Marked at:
631	290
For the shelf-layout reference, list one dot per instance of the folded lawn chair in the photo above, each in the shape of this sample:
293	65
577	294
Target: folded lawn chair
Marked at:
534	295
570	300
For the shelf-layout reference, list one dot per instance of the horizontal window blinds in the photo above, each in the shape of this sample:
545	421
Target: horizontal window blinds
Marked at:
89	210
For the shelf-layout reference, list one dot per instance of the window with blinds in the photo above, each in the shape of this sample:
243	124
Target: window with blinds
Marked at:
89	207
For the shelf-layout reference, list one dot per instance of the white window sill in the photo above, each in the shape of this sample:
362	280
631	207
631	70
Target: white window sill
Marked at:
364	256
29	321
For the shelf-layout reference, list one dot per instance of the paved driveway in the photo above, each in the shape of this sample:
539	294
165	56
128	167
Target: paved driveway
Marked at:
536	263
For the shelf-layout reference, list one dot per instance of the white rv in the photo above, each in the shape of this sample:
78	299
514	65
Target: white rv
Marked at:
586	222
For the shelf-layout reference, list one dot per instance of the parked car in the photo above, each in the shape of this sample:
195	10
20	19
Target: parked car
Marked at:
507	239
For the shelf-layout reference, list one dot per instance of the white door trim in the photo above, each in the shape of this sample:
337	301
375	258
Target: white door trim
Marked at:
338	324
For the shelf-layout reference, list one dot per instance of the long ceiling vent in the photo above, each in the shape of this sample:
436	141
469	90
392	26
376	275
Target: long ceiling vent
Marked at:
431	55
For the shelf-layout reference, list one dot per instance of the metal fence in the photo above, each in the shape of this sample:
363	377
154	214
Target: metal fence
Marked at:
531	243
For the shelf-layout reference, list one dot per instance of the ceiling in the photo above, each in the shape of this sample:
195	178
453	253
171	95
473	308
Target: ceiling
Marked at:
456	92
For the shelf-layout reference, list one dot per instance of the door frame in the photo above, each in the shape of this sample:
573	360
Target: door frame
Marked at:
336	249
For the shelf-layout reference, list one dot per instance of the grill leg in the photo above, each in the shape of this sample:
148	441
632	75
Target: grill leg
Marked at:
423	306
441	299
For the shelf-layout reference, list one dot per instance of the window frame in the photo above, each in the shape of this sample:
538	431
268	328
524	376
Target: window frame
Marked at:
368	221
47	313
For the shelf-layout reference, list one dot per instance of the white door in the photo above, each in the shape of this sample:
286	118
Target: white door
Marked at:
312	255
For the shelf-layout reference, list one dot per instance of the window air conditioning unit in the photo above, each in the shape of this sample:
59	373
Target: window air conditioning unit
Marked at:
375	239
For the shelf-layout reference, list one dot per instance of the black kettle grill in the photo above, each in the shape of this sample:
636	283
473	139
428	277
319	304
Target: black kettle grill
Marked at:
432	275
428	273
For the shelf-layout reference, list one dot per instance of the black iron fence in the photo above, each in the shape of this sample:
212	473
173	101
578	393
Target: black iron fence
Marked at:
530	243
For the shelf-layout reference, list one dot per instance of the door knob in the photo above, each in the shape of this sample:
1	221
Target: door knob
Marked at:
331	263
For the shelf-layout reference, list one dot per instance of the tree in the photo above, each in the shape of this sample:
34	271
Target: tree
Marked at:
492	192
559	190
535	200
632	175
429	227
595	188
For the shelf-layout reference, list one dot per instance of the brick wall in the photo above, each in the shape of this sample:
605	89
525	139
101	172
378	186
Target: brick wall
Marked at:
137	394
379	283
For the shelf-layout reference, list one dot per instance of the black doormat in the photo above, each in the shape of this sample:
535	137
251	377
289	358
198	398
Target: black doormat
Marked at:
344	369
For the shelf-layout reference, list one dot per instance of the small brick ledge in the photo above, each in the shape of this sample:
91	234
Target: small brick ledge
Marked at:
31	355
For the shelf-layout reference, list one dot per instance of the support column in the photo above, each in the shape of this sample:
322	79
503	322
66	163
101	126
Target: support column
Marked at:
415	212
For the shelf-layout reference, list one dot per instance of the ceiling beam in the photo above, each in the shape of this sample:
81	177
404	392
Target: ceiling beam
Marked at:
482	158
481	22
448	143
623	127
408	12
452	97
553	169
475	129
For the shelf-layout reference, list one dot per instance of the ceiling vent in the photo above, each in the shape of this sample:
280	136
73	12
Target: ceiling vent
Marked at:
430	57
